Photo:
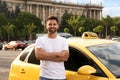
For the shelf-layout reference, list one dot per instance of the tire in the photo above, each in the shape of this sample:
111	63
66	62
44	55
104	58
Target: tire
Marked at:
14	48
5	48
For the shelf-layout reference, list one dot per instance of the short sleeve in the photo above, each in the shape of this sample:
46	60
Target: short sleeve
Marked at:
65	44
38	43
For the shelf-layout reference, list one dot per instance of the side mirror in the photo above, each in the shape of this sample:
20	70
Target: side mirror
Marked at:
86	70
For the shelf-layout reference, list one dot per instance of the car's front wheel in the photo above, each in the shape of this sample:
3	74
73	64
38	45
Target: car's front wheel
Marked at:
5	48
14	48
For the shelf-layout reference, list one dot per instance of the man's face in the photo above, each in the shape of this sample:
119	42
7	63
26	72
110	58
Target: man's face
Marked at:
52	26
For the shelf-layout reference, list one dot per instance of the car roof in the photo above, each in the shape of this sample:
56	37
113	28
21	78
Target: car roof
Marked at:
88	42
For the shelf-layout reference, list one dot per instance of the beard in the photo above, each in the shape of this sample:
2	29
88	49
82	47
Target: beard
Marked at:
52	30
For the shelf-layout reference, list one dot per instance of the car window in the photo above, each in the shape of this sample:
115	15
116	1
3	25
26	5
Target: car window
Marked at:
32	58
78	59
28	55
109	55
23	56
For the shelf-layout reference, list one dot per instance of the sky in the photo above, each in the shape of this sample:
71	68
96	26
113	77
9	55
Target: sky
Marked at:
111	7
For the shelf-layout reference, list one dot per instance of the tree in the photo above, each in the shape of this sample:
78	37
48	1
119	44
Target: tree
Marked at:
29	28
117	23
23	19
66	30
74	23
3	8
66	16
81	30
9	29
14	13
98	29
107	22
113	29
3	20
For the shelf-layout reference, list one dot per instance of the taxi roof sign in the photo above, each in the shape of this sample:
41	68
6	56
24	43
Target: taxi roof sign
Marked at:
89	35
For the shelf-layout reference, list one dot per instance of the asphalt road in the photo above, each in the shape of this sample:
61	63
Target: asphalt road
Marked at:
6	58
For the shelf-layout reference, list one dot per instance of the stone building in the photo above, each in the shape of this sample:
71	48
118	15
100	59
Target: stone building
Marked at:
44	8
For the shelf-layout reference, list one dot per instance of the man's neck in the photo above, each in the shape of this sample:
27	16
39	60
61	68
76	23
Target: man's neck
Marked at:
52	35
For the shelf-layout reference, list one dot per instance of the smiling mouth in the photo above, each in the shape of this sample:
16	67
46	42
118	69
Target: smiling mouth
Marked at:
52	30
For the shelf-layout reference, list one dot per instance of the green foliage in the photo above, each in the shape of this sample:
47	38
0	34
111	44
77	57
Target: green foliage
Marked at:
29	28
9	29
113	30
81	29
23	19
66	30
3	8
74	23
99	29
3	35
3	19
107	22
64	23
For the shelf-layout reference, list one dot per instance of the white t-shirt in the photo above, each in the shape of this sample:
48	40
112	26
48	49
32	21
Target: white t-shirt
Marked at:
50	69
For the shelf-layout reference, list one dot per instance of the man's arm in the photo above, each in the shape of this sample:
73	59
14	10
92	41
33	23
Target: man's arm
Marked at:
41	54
63	56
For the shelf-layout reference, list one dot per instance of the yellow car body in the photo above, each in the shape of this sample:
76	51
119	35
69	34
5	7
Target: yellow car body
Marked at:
81	65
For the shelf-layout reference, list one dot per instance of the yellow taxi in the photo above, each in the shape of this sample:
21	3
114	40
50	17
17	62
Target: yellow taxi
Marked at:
90	58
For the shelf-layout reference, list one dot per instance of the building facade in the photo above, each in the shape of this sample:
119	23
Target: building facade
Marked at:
44	8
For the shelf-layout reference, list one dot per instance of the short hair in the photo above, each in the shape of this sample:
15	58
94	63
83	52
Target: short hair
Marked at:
52	18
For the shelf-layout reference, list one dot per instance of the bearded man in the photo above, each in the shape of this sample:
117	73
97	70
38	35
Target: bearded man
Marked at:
52	51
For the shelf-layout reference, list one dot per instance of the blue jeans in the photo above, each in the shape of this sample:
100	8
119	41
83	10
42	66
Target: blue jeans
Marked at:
43	78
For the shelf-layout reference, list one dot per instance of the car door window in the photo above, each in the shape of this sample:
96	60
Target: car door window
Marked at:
78	59
32	58
24	54
28	56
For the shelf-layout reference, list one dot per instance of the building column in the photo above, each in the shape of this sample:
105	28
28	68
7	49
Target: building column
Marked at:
100	15
94	14
49	10
37	12
60	14
85	13
54	12
90	14
30	8
14	7
43	10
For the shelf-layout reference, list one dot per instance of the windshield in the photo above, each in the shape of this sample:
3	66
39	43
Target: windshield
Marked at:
109	55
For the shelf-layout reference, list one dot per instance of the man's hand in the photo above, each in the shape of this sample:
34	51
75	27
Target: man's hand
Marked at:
64	55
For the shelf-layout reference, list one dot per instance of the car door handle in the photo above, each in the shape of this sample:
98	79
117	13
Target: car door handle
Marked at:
22	71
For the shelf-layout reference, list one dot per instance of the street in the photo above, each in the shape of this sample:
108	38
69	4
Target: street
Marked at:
6	57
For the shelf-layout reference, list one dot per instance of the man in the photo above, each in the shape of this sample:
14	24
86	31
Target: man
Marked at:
52	50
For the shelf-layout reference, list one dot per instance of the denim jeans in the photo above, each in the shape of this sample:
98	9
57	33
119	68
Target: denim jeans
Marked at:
43	78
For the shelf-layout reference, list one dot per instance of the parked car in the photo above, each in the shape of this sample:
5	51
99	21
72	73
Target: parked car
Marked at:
15	45
1	45
116	39
90	58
